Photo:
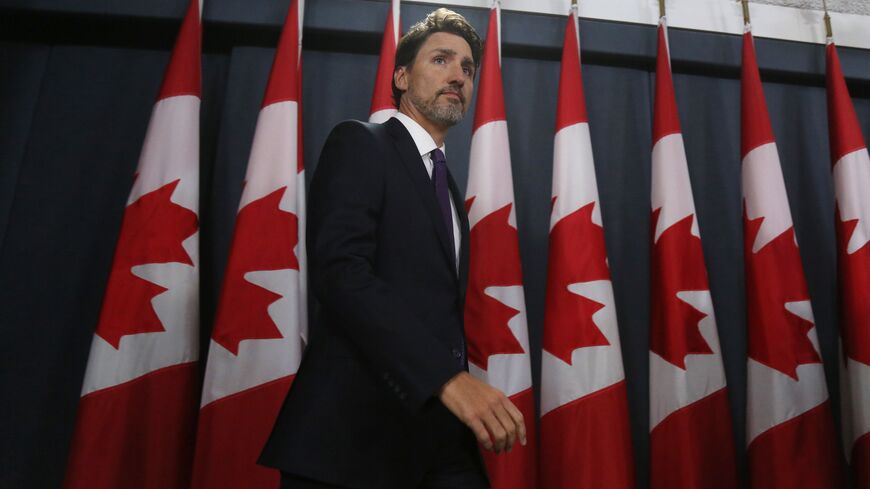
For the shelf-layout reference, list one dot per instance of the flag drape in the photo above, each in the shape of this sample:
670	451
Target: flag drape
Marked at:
136	419
851	168
691	438
383	106
261	321
585	432
790	433
495	310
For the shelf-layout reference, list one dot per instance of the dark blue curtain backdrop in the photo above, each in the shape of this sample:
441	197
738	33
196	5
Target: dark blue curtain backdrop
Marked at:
78	80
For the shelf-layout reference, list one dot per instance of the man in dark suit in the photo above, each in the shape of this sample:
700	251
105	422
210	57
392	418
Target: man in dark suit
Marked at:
383	399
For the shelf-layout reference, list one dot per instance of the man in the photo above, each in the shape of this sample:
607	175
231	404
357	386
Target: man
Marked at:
383	398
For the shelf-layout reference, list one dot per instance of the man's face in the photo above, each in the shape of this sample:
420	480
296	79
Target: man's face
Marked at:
439	82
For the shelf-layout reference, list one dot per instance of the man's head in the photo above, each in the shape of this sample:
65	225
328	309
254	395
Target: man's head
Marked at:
435	66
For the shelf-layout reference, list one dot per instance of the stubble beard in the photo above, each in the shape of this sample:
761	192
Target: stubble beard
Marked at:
446	115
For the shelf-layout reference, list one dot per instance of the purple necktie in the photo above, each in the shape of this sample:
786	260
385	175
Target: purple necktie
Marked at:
442	193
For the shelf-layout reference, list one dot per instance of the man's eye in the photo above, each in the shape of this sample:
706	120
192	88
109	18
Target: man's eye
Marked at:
468	71
439	59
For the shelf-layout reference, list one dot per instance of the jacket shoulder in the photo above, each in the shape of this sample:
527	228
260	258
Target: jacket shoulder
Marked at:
354	129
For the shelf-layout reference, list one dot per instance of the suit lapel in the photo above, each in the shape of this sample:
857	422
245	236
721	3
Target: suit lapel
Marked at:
410	157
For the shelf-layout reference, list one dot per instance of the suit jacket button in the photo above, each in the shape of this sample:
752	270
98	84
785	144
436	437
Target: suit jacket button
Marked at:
457	353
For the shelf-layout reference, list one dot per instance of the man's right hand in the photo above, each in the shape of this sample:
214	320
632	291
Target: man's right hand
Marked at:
493	418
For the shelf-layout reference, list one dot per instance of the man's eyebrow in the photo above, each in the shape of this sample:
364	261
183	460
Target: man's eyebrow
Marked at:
445	51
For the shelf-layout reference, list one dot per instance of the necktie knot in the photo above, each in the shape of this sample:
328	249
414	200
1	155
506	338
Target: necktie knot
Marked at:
438	157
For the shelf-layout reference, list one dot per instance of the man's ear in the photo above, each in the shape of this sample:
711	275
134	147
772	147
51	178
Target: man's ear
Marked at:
400	78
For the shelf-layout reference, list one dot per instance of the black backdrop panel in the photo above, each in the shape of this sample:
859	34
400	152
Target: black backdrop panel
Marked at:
74	117
18	97
82	149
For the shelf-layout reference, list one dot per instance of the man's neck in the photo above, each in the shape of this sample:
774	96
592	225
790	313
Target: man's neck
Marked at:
437	132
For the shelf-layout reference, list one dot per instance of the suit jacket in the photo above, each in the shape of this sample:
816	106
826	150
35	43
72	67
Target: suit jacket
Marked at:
363	410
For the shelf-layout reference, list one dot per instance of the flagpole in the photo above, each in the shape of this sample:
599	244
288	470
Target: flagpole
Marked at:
829	32
745	3
661	8
496	4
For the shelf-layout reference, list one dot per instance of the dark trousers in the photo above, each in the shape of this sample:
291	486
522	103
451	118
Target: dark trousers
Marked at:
456	466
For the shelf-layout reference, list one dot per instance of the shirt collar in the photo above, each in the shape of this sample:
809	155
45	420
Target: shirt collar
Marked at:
422	139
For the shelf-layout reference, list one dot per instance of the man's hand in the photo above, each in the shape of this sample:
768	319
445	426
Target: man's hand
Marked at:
493	418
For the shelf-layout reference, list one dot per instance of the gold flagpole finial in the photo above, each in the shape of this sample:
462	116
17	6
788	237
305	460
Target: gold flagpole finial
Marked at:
661	8
829	32
745	11
573	3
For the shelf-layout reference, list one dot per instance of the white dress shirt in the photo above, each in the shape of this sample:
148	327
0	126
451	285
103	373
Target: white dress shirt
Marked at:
425	145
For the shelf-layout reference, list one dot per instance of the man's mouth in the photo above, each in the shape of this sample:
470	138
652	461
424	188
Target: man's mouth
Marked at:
451	93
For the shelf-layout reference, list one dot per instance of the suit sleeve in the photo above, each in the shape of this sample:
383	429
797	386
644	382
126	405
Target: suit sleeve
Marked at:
346	199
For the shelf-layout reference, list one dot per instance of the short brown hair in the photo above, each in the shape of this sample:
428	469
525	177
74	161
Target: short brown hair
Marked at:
441	20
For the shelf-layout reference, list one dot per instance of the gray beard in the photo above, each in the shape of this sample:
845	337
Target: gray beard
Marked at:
445	115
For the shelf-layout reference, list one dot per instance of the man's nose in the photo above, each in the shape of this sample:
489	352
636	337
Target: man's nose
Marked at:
457	75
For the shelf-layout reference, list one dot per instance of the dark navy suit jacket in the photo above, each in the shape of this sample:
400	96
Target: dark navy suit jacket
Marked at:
363	410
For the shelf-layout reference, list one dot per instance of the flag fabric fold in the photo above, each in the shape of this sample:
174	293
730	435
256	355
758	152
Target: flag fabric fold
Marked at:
691	439
383	106
851	169
261	323
585	432
790	432
137	414
495	310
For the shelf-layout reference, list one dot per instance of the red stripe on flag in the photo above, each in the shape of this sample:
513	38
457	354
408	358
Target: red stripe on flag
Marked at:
283	83
490	93
843	127
382	97
586	444
860	463
516	469
183	73
754	119
801	453
138	434
572	102
693	447
232	432
666	119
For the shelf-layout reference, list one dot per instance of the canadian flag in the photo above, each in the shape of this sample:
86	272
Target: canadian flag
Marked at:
585	433
261	322
851	181
691	442
383	106
495	309
790	431
137	414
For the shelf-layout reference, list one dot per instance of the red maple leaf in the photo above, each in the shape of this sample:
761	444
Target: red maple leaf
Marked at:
677	266
774	276
495	262
152	231
854	294
577	254
263	240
